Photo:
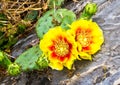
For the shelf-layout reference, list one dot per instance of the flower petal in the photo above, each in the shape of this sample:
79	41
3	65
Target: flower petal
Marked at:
84	55
56	65
69	62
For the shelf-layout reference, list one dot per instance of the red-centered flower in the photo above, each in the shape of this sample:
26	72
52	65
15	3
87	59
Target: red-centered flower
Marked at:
60	48
87	35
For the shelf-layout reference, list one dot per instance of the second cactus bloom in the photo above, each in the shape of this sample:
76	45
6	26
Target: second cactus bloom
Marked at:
87	35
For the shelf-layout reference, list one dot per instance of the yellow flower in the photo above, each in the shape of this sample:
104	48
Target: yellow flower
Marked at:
60	48
88	35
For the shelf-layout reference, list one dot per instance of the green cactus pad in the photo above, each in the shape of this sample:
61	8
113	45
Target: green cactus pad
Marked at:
52	18
28	59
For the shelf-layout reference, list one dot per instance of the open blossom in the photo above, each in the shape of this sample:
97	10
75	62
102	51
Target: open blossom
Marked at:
60	48
87	35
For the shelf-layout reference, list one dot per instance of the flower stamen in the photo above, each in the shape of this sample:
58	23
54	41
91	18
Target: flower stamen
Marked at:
83	37
61	48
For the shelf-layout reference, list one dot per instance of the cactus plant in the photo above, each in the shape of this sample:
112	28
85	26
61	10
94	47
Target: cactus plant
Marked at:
53	18
34	58
27	60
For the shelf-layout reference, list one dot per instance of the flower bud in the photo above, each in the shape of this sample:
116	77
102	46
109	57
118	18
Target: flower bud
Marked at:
14	69
91	8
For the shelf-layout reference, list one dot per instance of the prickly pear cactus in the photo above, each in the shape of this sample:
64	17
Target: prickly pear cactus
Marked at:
27	60
53	18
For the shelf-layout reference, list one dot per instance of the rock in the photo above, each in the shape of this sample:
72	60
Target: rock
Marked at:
109	56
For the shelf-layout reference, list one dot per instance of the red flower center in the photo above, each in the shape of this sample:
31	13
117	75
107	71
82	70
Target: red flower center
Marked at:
83	36
61	48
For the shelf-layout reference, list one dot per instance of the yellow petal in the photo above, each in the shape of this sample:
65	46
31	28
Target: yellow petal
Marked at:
86	56
56	65
69	63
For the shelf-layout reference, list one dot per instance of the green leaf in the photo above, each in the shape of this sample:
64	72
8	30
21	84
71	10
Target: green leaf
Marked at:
28	59
52	18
